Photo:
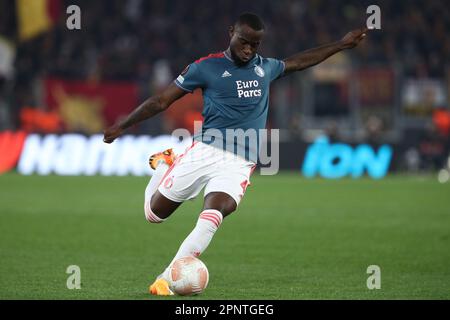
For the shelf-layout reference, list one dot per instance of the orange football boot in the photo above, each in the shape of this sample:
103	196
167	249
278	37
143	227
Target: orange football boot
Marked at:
160	288
167	156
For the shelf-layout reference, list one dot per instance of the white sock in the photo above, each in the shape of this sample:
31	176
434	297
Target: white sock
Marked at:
198	240
152	186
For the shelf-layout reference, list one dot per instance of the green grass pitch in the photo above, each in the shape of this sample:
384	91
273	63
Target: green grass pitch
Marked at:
291	238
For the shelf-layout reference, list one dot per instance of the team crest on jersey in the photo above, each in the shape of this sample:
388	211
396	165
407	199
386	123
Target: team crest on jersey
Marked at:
259	71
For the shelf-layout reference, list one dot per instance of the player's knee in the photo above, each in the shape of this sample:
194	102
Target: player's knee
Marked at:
225	207
150	215
228	208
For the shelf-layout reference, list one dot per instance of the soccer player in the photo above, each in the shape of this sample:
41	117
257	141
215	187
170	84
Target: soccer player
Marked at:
235	85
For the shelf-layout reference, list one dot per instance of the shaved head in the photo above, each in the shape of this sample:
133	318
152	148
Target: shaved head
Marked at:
251	20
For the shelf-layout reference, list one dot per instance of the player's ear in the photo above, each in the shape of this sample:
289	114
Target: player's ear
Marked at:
231	31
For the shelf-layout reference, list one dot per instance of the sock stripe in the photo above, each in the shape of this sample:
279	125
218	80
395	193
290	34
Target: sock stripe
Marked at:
154	218
215	218
212	220
212	215
217	213
150	216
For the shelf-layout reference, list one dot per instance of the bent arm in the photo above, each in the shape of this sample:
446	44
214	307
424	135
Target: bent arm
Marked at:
311	57
146	110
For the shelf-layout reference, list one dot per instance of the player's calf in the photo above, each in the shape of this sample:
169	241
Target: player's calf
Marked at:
150	216
220	201
159	208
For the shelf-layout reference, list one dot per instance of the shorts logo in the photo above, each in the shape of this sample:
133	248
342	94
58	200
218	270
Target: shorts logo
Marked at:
244	185
168	183
259	71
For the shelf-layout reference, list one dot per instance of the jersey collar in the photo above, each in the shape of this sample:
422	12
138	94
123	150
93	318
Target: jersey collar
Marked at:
251	63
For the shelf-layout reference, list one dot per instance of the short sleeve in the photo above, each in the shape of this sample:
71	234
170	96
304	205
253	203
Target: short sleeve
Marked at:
191	78
276	68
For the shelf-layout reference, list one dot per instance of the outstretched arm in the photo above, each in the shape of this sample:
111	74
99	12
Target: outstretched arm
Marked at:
148	109
311	57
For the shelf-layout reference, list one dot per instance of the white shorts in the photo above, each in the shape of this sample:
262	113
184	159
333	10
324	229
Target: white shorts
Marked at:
205	166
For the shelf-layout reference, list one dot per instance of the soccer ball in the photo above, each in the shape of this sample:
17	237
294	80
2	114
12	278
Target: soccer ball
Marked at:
188	276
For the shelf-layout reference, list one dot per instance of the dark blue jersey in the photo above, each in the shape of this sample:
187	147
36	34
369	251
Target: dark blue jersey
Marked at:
235	97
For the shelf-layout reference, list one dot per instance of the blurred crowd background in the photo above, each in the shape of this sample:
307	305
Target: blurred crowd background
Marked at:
394	88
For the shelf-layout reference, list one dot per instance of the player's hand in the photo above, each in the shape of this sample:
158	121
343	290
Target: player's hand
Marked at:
353	38
112	133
